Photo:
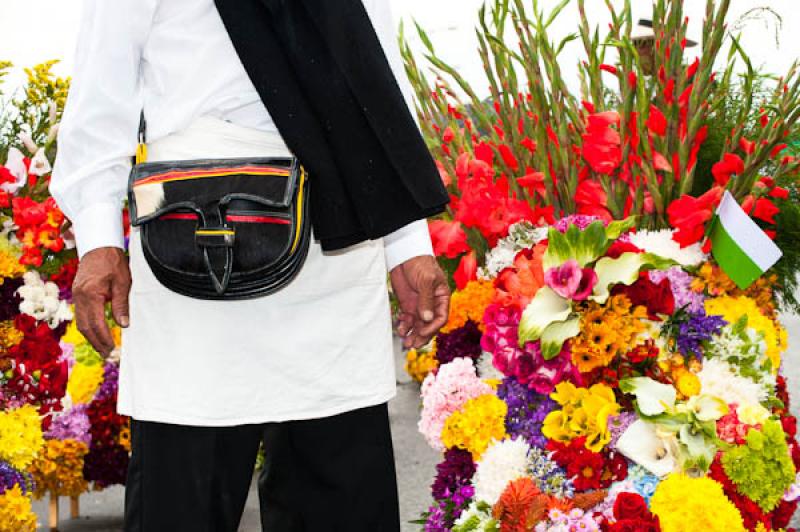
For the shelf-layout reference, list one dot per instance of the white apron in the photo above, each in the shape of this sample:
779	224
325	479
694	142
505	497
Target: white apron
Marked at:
319	347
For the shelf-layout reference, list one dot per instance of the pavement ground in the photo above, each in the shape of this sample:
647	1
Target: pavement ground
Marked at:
416	461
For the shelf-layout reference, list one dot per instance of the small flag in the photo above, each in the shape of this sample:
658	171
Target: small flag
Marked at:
741	248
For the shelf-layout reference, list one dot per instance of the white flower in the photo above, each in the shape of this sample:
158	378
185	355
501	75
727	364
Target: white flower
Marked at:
482	516
502	462
486	369
648	447
39	164
719	379
660	243
27	141
521	235
16	165
40	300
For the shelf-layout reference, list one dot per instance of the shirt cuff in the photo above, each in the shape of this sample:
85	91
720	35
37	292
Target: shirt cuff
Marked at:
97	226
412	240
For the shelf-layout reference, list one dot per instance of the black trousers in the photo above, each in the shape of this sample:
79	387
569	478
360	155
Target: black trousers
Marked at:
329	474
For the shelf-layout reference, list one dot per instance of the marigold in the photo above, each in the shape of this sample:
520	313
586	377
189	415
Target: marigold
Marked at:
480	421
9	265
84	380
16	514
732	309
420	362
607	331
9	335
59	469
469	304
680	500
20	436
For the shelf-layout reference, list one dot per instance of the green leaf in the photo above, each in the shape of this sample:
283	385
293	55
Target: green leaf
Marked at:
623	270
652	397
556	334
585	246
546	308
617	227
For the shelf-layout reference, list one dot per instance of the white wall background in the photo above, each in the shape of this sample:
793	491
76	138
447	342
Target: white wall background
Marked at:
33	31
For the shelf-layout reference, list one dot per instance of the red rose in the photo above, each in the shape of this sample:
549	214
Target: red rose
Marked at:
657	298
635	525
630	506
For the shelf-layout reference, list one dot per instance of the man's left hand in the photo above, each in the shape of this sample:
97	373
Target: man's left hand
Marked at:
424	297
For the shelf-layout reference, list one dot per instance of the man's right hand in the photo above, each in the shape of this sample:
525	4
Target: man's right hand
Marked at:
103	275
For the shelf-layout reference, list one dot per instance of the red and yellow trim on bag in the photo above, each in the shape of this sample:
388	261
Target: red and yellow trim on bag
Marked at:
212	172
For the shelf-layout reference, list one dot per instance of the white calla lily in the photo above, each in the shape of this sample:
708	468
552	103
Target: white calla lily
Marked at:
556	334
545	308
652	397
643	444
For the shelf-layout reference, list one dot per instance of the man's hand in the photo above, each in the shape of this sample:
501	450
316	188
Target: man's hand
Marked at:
424	297
103	275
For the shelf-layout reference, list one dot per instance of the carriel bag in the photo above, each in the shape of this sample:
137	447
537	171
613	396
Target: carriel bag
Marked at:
233	228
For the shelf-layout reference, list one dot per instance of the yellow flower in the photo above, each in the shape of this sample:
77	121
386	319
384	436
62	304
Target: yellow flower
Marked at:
480	421
469	304
20	436
420	362
83	382
9	335
9	265
59	469
73	335
125	436
680	500
733	308
711	279
585	412
687	384
16	514
752	414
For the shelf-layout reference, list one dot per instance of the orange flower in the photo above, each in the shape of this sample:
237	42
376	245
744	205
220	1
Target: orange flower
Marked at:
517	284
514	508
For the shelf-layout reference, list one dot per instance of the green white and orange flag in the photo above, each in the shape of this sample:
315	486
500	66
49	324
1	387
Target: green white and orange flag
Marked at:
741	248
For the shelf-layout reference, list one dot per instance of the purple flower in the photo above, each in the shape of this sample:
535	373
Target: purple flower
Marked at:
453	473
71	425
681	283
9	299
692	332
9	476
108	389
582	221
436	519
526	411
462	342
618	424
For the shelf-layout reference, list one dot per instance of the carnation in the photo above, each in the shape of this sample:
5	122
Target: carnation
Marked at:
661	243
680	499
501	463
462	342
718	379
446	392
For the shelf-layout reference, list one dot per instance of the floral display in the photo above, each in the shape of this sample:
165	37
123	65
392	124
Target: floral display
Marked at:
59	431
606	365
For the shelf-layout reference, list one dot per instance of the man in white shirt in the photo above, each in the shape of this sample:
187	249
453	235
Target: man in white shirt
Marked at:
309	369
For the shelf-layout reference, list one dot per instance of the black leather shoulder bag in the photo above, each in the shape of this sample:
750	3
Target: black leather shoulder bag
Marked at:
233	228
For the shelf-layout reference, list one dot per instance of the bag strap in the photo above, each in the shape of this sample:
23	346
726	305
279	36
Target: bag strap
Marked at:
141	148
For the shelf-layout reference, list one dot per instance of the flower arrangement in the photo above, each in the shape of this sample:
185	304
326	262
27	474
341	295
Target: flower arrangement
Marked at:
666	401
637	361
59	432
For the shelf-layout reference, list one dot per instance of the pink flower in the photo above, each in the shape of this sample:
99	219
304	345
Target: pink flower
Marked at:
570	281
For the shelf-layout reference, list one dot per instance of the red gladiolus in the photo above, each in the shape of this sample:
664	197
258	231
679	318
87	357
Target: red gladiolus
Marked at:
609	68
467	270
529	144
534	182
657	122
446	179
777	149
448	135
601	143
779	193
448	238
747	146
591	199
692	70
688	215
508	157
730	164
632	79
669	92
485	153
660	163
765	210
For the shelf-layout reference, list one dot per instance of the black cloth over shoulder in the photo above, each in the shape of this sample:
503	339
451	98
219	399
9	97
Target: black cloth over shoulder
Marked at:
322	74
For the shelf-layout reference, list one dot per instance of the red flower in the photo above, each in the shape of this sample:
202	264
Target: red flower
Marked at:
747	146
508	157
619	247
609	68
688	215
657	122
765	210
657	298
591	199
448	238
630	506
534	182
601	142
730	164
467	270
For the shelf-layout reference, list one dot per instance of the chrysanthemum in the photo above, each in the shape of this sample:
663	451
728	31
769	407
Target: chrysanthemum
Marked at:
502	462
661	243
718	379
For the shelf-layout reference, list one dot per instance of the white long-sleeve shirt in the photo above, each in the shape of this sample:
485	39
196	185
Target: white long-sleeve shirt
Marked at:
174	59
